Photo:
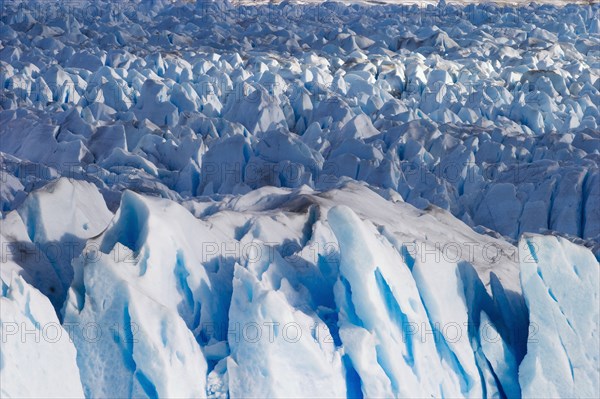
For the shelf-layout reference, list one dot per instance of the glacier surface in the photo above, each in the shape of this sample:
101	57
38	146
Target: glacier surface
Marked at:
300	199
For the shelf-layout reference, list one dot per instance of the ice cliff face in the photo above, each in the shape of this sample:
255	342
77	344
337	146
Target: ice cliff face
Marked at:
551	269
452	106
291	293
201	199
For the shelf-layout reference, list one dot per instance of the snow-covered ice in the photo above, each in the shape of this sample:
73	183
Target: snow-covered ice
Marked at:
299	199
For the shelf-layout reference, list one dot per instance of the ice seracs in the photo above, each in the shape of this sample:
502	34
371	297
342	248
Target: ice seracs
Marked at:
48	230
277	349
325	78
212	199
283	284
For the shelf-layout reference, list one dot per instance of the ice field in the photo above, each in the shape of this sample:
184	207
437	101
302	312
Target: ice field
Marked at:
299	199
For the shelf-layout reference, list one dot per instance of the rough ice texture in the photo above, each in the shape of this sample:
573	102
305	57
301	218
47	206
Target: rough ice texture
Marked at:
317	294
461	107
561	288
299	200
37	358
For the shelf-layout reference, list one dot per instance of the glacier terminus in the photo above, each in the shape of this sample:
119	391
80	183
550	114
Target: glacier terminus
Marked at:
299	199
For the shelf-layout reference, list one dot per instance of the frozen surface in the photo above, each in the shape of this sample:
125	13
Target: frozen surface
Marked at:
38	356
299	199
287	293
560	285
456	106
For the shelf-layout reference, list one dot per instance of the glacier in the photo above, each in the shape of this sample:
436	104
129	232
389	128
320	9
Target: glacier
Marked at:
299	199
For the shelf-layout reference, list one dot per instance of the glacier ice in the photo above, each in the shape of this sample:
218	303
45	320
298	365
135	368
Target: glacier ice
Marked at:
274	349
560	284
126	340
342	287
299	199
50	228
38	356
479	123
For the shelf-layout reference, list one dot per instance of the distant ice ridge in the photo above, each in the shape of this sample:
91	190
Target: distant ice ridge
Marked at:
200	199
287	293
